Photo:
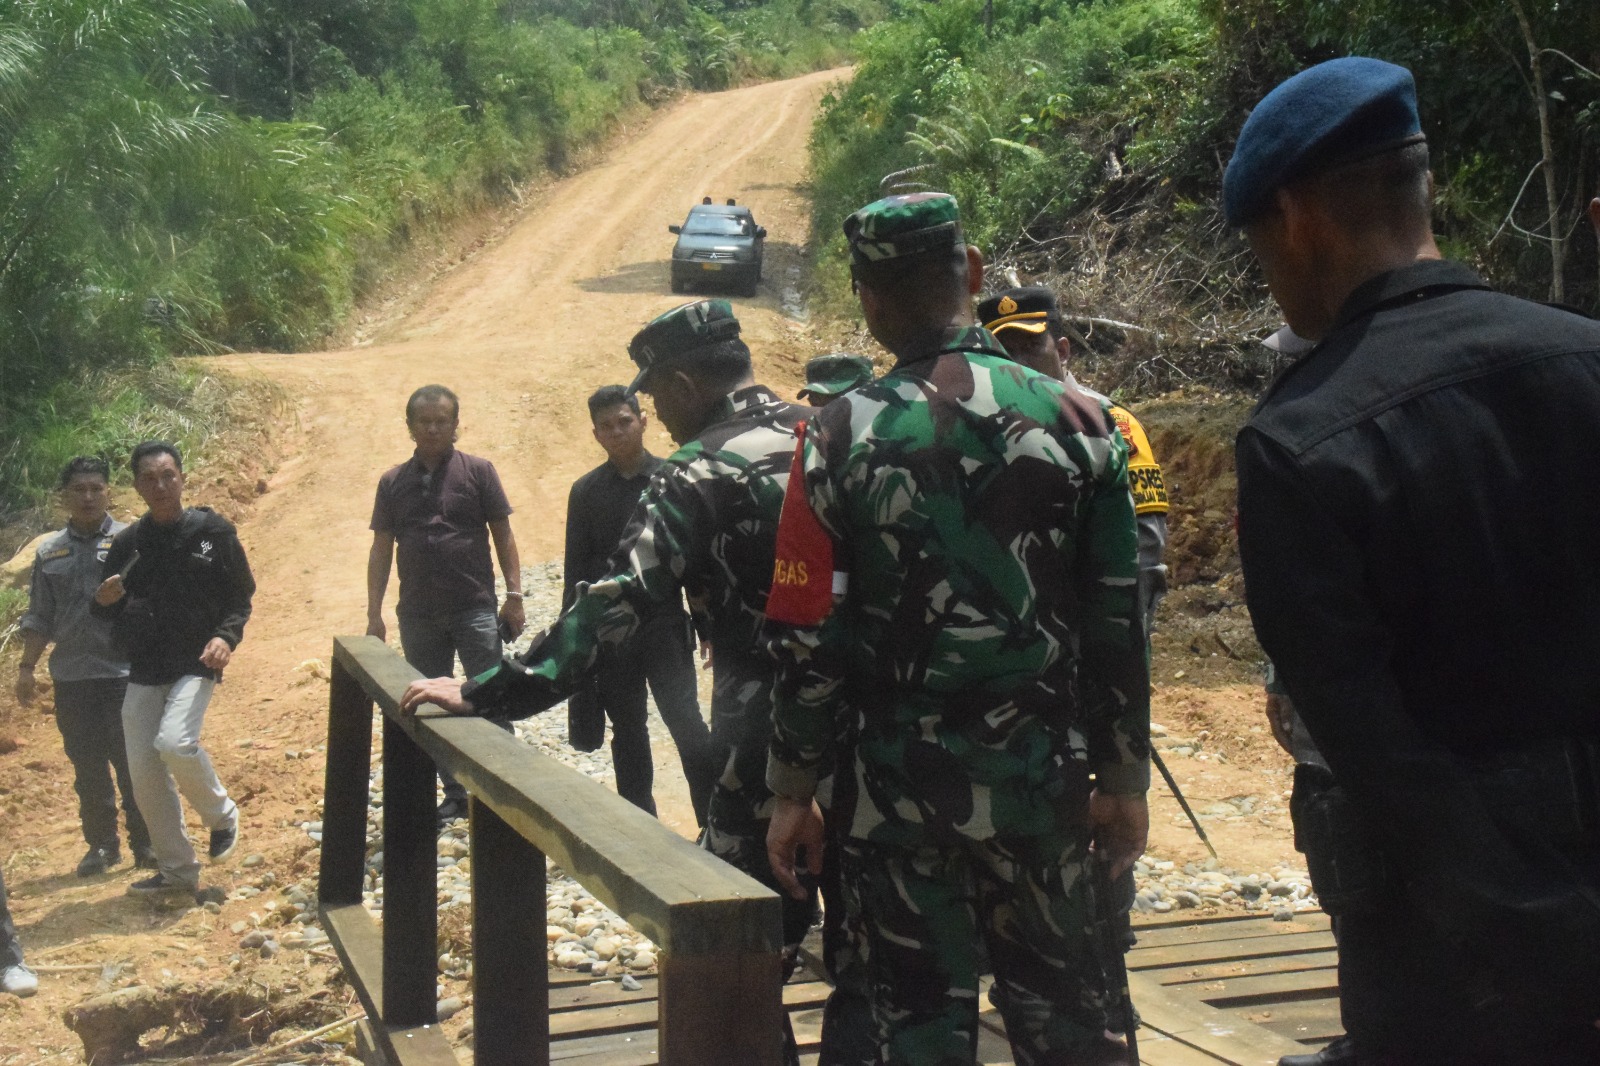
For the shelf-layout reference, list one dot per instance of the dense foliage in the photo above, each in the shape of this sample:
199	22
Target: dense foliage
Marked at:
193	175
1086	140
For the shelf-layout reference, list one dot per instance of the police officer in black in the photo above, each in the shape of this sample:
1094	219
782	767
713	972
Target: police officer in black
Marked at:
1448	680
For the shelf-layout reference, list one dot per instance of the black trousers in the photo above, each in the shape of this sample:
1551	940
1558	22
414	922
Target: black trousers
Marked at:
10	946
89	715
659	656
1409	995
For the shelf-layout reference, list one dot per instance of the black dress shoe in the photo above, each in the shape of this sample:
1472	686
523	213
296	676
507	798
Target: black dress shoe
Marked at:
451	809
1341	1052
98	860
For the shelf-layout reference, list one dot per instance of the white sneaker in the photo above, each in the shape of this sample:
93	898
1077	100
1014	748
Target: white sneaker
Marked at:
19	981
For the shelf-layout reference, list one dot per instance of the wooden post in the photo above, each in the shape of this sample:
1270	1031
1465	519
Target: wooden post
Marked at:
721	1010
410	880
511	981
344	790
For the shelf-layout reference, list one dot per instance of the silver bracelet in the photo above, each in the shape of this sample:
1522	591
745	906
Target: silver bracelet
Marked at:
513	595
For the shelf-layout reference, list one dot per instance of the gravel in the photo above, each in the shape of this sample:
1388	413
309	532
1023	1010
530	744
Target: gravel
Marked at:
586	937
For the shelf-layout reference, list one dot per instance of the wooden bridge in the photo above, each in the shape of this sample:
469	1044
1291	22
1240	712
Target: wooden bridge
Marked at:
1211	992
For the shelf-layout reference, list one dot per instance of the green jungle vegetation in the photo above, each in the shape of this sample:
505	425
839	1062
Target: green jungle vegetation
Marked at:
192	176
1085	140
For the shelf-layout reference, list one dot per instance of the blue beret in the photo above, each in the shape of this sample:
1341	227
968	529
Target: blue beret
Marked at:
1334	113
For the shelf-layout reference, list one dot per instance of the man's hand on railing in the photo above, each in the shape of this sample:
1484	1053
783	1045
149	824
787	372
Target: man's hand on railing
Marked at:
440	691
794	845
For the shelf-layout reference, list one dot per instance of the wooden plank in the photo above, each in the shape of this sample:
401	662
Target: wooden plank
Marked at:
638	1048
721	1010
632	1049
1214	951
1266	989
681	897
602	1018
1159	1049
1230	928
1308	1021
559	978
346	779
358	942
599	994
1228	970
511	1016
410	882
419	1045
796	994
1205	1028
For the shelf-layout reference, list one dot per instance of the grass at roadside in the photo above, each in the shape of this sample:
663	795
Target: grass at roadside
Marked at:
106	412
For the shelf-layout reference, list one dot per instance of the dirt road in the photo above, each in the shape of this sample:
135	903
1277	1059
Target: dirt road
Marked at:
523	331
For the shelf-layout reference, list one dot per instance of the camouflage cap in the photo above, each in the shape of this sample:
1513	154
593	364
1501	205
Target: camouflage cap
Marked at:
830	375
676	335
1031	308
903	225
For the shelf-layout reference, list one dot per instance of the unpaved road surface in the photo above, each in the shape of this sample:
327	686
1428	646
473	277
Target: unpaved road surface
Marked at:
523	331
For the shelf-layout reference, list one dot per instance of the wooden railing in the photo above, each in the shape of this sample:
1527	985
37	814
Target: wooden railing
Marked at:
717	929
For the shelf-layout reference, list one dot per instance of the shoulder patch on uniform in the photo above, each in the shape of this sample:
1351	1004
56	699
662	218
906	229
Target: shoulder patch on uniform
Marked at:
45	555
1124	423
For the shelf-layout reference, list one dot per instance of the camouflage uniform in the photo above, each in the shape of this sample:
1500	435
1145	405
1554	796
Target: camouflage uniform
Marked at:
706	527
990	650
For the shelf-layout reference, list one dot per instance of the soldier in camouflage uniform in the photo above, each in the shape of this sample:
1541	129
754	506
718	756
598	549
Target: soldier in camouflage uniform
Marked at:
705	528
989	646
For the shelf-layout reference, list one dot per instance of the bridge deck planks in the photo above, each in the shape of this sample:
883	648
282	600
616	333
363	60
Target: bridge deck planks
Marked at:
1236	991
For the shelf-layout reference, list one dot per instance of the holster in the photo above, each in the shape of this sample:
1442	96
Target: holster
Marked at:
1348	869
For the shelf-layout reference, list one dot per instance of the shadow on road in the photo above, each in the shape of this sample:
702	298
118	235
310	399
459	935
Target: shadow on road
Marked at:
633	279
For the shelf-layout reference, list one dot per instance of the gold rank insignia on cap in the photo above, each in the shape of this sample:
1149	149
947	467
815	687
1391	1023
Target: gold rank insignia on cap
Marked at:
1008	306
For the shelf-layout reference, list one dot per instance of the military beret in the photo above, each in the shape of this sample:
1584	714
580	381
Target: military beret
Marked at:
903	225
1031	308
1329	115
676	336
830	375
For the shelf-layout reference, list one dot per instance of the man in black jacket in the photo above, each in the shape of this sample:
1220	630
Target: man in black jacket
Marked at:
1448	680
178	588
598	509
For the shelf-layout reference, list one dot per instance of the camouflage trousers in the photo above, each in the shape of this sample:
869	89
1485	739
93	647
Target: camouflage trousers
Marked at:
849	1036
736	825
931	916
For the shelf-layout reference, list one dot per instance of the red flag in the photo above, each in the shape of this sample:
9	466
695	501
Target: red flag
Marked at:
802	576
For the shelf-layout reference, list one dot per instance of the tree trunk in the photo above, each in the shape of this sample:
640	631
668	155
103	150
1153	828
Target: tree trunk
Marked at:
1541	100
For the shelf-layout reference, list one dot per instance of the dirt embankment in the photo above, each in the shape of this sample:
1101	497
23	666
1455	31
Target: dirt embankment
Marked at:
523	331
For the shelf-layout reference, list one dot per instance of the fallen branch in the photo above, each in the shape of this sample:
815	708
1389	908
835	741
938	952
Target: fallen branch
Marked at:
48	968
1114	324
256	1057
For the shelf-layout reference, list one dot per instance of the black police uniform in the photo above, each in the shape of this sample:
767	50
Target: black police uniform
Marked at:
1415	501
598	509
